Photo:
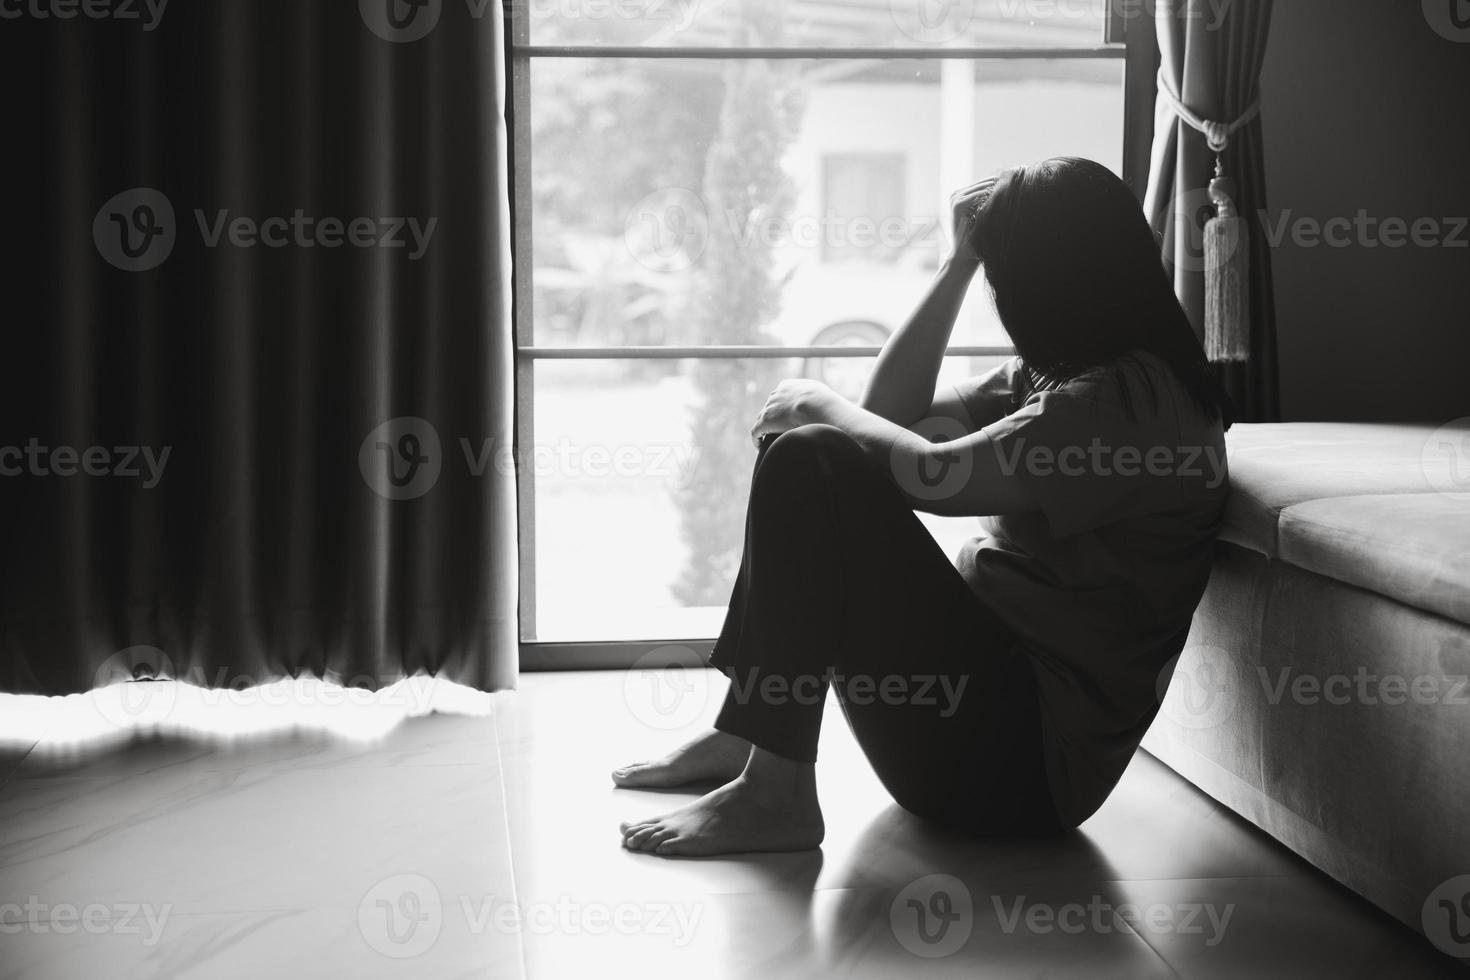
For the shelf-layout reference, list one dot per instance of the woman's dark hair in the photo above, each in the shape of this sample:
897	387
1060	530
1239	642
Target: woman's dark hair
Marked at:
1076	276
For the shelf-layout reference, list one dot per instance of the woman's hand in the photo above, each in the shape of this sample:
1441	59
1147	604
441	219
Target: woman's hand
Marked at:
791	404
964	205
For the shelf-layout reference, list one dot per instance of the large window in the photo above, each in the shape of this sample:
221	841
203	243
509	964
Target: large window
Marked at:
713	196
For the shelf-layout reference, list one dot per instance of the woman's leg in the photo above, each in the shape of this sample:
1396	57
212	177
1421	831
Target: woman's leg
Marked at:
841	580
839	573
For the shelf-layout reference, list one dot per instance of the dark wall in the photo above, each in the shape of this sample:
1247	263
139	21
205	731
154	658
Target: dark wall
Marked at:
1366	108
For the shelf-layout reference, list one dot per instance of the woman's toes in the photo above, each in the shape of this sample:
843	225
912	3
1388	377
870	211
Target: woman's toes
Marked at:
631	829
638	840
654	774
672	845
653	839
658	838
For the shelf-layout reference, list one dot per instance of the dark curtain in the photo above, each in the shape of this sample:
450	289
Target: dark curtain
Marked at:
1214	55
281	371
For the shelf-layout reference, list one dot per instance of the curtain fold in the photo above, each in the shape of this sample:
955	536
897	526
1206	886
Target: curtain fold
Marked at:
259	343
1214	57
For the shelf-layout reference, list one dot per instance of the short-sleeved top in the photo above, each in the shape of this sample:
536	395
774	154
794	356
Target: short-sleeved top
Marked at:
1100	584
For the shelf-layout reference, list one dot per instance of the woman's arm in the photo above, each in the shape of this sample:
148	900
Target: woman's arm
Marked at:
957	477
901	388
902	385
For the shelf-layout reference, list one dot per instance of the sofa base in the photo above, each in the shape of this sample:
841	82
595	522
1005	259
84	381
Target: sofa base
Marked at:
1337	721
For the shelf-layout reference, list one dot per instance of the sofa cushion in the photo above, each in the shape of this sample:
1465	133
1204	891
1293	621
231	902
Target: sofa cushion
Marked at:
1411	547
1276	466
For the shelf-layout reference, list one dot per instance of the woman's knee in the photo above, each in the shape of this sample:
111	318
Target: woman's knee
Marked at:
825	446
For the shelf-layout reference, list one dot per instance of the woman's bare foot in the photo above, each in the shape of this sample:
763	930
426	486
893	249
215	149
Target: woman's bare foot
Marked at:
771	806
712	757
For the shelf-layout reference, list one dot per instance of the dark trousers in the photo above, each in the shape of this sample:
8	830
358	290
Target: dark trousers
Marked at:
842	585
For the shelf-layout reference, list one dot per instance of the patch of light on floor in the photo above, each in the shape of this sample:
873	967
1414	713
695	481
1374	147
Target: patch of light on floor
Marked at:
126	710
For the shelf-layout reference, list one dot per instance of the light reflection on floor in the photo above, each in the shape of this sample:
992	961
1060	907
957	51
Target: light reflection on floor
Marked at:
124	711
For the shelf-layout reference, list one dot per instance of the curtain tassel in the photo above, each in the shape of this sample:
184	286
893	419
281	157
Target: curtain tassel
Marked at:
1227	275
1227	238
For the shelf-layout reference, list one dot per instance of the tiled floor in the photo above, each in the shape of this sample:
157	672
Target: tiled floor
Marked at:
488	846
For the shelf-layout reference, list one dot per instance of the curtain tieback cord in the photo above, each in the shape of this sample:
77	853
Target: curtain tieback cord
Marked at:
1217	134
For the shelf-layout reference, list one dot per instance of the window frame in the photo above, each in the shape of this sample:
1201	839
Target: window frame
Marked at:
1130	40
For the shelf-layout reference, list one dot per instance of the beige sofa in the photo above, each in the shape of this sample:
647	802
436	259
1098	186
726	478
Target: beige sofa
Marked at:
1323	693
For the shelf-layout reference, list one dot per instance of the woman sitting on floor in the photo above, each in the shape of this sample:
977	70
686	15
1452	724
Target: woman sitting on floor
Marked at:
1004	692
